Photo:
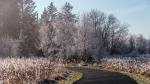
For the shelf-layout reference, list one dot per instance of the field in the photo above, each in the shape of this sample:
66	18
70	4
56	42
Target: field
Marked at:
139	65
32	70
28	70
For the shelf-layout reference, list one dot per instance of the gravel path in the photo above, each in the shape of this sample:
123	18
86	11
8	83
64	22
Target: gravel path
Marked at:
93	76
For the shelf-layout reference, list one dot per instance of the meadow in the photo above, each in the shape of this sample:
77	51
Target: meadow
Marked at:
139	64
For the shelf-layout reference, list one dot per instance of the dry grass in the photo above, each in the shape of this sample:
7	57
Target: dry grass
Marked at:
28	71
138	67
74	76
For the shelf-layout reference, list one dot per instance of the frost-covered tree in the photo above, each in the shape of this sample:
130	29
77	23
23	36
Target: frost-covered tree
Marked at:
84	38
117	34
49	13
90	35
47	31
100	34
47	35
141	44
148	46
44	16
62	33
66	30
132	44
52	12
97	21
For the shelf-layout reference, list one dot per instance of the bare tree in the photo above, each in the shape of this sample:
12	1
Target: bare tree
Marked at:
117	33
132	44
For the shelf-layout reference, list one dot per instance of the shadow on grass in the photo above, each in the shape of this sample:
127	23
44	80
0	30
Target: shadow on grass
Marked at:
93	76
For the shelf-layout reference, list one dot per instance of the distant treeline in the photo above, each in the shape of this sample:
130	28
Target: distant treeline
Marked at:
63	34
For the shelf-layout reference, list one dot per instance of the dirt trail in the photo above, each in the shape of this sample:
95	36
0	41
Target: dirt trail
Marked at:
93	76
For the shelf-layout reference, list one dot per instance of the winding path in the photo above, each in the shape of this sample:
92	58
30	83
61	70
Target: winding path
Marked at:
93	76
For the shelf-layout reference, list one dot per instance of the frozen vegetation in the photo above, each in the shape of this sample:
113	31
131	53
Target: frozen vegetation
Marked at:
30	44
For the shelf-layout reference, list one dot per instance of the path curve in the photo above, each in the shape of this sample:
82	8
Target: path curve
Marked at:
93	76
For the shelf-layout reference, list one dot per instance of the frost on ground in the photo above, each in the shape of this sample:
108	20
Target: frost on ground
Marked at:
28	71
132	66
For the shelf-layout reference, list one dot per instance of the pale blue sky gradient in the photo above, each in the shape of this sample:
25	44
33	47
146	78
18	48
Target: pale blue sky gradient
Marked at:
134	12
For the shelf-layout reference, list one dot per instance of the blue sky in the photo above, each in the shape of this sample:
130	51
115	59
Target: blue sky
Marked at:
134	12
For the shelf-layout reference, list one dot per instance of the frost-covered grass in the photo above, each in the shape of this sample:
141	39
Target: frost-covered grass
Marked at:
131	66
28	70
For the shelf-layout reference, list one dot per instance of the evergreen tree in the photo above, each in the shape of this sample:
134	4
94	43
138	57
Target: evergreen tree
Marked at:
47	30
29	28
44	16
52	12
9	15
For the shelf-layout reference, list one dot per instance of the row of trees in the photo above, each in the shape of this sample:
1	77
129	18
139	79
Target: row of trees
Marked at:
64	34
139	45
92	34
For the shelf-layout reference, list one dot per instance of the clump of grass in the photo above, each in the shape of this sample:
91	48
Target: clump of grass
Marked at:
139	78
74	76
27	70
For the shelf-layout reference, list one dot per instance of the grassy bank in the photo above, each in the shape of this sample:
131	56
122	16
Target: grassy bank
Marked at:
74	76
140	79
138	70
